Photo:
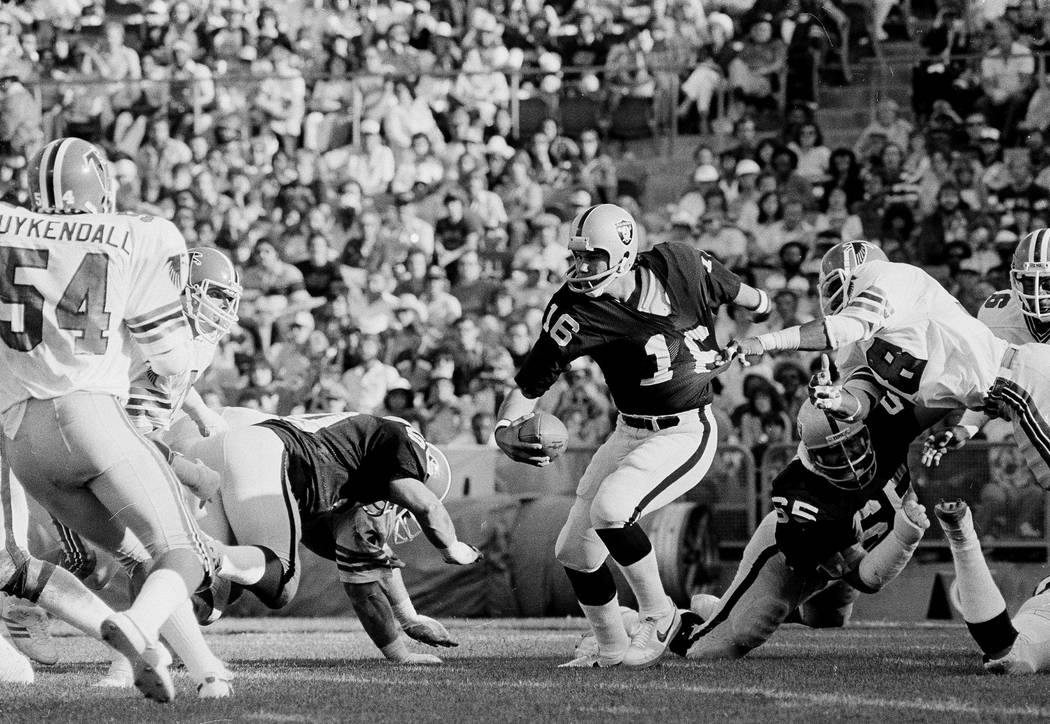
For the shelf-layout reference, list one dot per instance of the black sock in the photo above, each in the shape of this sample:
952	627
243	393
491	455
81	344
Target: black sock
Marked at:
994	635
595	588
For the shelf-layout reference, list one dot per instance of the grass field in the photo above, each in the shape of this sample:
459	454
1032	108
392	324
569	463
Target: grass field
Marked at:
325	670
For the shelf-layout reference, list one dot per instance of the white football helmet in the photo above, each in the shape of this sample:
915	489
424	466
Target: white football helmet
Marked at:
1030	274
837	450
212	293
604	244
837	268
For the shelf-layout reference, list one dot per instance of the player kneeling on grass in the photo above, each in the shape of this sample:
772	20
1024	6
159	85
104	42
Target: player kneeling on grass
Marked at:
845	521
282	475
1017	646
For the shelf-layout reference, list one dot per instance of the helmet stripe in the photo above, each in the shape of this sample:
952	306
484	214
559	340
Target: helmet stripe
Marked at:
46	202
1044	236
583	219
55	173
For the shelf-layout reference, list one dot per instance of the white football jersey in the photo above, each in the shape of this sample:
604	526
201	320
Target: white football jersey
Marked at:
1001	312
1031	650
153	400
918	339
74	288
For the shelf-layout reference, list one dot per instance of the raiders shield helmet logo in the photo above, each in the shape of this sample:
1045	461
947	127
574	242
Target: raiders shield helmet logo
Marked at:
625	230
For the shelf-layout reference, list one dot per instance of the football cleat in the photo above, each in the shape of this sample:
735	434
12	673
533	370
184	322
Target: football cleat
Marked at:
593	661
14	668
28	627
588	643
120	674
215	686
151	675
956	520
1012	663
650	640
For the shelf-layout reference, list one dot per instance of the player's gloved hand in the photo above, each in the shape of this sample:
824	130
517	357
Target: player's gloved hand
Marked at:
430	632
461	554
522	452
911	520
749	347
939	443
211	423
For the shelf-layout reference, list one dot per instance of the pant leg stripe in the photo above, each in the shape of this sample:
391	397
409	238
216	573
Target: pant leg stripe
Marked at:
1037	428
678	472
734	597
290	506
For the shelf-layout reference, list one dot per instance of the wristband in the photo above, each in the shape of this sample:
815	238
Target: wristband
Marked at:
785	339
764	308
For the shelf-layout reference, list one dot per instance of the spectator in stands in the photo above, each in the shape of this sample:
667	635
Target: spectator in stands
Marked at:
20	113
593	170
699	89
322	276
373	166
374	312
368	382
1007	70
814	157
726	242
761	420
442	306
473	291
754	75
522	199
458	232
887	125
837	217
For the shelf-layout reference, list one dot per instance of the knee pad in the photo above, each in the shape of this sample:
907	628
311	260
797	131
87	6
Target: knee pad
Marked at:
577	552
278	585
27	577
607	512
627	545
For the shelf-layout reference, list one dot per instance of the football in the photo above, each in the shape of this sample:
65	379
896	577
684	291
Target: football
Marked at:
547	430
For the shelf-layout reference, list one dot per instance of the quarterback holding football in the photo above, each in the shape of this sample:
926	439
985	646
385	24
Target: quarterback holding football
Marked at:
647	320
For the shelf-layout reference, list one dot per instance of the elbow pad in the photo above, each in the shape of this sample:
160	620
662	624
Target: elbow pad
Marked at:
842	330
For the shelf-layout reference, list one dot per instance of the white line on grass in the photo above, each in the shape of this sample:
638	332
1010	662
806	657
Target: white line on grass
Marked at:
949	706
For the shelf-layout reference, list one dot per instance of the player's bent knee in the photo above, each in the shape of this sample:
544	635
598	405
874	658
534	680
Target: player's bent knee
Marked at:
278	585
754	623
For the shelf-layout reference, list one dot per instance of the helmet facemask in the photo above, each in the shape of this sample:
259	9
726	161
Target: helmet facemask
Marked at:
212	308
1031	284
833	287
848	460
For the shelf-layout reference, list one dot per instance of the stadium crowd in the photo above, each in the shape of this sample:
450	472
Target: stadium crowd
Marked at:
398	238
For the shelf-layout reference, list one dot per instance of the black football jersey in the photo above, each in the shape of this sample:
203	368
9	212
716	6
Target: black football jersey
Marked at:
816	520
347	457
656	349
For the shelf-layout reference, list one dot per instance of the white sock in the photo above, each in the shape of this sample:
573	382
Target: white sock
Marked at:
66	598
607	623
979	598
644	577
184	636
163	592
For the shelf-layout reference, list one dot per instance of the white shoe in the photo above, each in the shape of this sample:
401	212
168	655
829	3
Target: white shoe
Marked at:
594	661
215	686
28	626
14	668
151	675
704	605
651	638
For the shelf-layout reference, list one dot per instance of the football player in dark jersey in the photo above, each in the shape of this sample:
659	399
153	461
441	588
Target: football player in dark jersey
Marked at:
318	471
845	521
648	320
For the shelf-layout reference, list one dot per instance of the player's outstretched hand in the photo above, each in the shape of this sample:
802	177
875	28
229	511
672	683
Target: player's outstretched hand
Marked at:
522	452
415	659
742	349
911	521
430	632
461	554
823	393
940	443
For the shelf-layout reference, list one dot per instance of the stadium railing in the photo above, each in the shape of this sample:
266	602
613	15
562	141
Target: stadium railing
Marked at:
1010	510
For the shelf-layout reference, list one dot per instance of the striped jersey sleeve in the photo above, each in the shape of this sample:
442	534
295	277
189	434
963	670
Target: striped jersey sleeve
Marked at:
154	311
870	307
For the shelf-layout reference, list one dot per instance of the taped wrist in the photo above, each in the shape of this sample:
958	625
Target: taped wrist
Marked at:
764	309
785	339
396	650
885	561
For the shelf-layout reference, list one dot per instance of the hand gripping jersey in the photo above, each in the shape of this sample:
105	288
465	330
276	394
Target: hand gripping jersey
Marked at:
917	339
816	521
73	289
347	457
153	400
1001	312
656	350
